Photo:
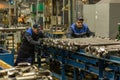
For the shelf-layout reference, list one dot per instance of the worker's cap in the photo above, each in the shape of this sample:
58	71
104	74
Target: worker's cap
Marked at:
36	26
80	18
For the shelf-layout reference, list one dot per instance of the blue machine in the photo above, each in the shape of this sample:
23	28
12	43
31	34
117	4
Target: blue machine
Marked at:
105	68
7	57
86	63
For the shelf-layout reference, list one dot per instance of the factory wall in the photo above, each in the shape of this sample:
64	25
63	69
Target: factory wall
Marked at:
97	18
114	19
89	16
102	18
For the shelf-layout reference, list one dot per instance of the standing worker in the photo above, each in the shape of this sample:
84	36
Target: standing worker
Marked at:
27	48
79	29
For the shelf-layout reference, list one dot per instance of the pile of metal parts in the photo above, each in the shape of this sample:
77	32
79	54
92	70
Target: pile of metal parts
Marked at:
99	47
25	71
66	44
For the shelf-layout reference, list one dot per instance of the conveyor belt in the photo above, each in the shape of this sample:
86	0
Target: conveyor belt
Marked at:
104	66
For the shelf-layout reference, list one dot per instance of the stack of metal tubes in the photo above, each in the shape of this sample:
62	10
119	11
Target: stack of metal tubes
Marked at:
99	47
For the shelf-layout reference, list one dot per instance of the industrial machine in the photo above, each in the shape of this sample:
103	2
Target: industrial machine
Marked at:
98	56
6	59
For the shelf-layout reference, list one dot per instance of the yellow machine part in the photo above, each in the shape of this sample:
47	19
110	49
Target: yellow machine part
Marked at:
4	65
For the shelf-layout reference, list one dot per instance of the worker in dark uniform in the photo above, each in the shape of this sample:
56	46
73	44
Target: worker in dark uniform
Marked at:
79	29
30	40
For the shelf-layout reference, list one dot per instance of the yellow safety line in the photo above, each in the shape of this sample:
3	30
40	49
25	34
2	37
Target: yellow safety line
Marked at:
4	65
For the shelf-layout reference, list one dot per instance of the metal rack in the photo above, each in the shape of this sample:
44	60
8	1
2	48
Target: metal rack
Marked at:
7	37
7	41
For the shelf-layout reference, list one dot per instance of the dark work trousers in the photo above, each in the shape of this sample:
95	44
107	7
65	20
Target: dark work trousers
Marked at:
30	60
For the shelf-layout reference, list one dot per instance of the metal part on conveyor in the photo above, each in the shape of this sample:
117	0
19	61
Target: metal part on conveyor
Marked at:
80	42
101	51
34	77
60	43
83	42
95	46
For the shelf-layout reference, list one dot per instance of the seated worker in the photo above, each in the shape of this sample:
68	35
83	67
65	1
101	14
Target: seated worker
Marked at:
30	40
79	29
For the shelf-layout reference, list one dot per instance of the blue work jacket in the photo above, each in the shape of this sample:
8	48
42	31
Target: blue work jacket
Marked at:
76	32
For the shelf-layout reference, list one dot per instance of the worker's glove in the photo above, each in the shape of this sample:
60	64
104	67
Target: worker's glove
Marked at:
91	34
41	41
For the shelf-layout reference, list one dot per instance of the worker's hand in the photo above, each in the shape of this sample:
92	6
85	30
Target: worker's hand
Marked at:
41	41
